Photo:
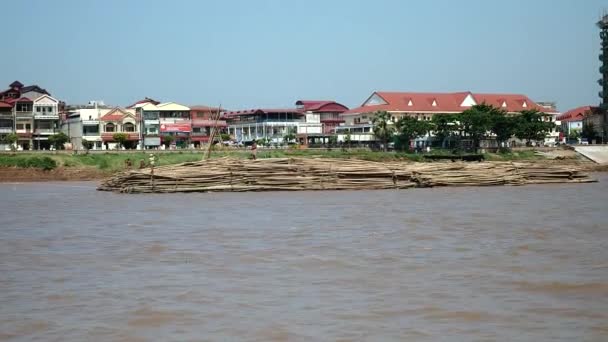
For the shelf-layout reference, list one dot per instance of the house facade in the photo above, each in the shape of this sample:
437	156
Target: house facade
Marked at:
572	120
162	119
327	111
423	106
273	124
203	121
119	120
35	115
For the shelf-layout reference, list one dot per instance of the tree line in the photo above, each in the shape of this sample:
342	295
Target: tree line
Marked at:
475	124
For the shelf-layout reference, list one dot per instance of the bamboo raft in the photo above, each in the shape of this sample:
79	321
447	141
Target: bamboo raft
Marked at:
293	174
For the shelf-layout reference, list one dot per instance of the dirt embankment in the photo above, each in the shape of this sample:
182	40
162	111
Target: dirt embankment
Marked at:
16	174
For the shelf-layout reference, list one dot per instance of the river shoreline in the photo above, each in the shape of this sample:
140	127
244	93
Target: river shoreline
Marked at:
17	174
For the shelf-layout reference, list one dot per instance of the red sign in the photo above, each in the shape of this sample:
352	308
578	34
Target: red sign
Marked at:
176	127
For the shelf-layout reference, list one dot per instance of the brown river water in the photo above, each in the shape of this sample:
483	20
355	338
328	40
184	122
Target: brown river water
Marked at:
458	264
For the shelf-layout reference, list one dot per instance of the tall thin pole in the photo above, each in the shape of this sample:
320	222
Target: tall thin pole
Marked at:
212	135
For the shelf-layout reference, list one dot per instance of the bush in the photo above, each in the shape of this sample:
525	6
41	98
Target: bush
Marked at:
45	163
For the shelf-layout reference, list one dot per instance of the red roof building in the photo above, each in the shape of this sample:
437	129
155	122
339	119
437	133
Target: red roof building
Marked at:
576	114
438	103
328	111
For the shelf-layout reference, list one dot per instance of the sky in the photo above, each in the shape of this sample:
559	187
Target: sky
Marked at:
270	53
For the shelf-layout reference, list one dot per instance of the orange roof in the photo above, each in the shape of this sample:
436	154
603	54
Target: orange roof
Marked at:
116	114
576	114
442	102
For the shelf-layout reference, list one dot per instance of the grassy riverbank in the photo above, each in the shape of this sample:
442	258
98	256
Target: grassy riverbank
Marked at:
108	163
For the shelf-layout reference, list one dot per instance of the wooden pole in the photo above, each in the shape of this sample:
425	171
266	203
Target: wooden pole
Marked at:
212	135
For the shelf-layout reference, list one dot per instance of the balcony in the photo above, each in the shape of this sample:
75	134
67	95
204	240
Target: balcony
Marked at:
44	131
109	136
6	130
90	122
25	115
208	123
46	116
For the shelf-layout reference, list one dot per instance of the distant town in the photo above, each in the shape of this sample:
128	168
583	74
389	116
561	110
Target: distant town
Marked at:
31	119
34	116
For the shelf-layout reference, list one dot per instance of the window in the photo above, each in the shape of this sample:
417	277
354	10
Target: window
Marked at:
128	127
110	127
19	126
28	127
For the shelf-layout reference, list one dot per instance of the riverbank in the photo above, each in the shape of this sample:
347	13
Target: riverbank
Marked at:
62	166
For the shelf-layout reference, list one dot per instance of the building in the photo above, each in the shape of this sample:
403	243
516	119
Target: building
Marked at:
163	119
596	117
119	120
204	119
35	115
83	122
572	120
328	111
6	123
423	106
250	125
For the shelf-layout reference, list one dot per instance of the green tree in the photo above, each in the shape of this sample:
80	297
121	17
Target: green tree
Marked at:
58	140
168	139
383	130
87	145
503	126
589	132
477	121
531	127
445	126
120	138
290	136
347	139
574	134
11	139
408	129
225	137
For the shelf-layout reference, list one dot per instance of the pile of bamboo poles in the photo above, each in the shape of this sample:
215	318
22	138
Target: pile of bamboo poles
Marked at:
282	174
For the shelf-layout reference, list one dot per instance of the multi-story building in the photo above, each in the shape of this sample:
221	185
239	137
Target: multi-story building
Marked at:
82	122
35	115
6	123
273	124
328	111
423	106
162	119
204	119
572	120
46	120
119	120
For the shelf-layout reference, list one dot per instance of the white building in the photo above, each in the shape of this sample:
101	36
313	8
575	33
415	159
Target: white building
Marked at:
423	106
273	124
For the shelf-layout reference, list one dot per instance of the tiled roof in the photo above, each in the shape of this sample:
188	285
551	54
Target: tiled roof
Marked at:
263	111
442	102
5	105
576	114
318	106
145	100
205	108
116	114
21	99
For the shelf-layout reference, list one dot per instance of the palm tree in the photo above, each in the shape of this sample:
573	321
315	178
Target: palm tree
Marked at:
383	130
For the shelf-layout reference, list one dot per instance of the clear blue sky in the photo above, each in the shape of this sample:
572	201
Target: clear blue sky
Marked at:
246	54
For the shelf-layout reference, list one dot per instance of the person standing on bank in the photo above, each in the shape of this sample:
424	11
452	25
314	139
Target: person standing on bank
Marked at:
254	150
